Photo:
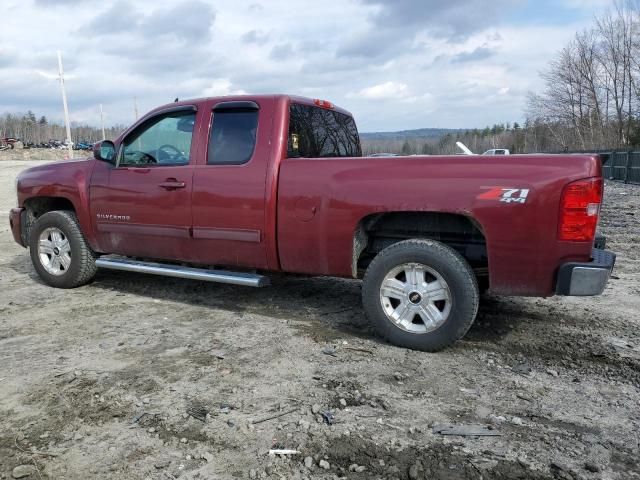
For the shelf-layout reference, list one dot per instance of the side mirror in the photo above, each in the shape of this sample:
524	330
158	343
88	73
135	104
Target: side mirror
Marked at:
104	151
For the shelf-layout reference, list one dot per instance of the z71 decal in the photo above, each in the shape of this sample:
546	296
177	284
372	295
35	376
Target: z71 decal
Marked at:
505	194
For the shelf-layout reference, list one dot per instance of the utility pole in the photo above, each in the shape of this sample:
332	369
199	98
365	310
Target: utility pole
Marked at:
104	137
135	107
64	104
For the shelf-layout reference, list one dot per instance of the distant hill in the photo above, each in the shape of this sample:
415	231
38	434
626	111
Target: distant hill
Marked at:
409	134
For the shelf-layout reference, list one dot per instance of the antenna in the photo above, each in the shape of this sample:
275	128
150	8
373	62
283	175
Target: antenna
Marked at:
64	104
104	137
135	107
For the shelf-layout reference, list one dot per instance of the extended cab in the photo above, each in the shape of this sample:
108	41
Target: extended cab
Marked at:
227	189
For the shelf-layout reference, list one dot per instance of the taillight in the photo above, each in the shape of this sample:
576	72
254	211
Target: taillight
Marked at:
579	209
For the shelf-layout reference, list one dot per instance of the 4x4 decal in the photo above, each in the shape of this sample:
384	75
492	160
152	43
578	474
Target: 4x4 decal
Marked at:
505	194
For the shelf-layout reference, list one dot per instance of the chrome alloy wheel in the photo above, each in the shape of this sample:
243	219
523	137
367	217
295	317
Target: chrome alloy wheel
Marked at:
54	251
415	298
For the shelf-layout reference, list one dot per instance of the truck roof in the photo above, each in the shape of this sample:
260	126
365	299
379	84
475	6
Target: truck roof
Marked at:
272	97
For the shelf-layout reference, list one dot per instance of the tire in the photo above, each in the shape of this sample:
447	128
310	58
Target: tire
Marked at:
429	275
75	260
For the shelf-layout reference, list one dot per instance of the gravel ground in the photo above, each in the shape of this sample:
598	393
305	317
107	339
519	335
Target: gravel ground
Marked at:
34	154
144	377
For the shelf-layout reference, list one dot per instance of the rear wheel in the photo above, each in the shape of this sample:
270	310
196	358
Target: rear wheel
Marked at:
420	294
59	252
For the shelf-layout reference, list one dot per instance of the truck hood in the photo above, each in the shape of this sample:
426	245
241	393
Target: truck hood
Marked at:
56	167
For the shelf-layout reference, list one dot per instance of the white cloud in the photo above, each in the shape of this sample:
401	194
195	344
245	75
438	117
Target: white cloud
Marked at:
386	90
220	87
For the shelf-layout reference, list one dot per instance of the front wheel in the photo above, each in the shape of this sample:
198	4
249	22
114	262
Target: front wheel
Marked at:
59	252
420	294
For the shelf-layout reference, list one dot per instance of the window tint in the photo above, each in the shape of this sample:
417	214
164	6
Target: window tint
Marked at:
320	132
164	140
233	137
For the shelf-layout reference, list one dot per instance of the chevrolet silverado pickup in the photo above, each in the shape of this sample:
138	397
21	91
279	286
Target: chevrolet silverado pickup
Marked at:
229	189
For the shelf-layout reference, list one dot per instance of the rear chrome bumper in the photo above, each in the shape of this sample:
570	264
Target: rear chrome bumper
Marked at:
589	278
15	222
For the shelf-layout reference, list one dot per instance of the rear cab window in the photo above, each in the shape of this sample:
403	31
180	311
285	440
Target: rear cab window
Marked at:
316	132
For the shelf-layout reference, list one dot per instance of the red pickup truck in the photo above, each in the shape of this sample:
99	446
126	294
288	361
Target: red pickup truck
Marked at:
227	189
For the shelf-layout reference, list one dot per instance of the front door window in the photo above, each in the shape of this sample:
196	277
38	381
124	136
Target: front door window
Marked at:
165	140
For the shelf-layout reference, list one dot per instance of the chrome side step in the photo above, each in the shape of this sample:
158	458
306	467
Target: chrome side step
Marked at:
167	270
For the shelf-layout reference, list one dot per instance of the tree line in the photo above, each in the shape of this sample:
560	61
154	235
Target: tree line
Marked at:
39	130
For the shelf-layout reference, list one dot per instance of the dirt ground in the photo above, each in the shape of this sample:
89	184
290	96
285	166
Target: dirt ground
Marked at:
48	154
142	377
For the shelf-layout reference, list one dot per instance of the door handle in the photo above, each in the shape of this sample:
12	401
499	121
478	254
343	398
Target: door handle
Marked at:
172	184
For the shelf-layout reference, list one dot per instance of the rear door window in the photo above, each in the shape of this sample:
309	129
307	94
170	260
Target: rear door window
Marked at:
316	132
233	137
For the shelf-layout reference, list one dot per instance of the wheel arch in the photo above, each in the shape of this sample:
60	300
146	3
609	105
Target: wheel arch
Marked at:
460	231
37	206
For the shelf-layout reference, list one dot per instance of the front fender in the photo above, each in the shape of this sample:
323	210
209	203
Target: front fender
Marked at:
58	185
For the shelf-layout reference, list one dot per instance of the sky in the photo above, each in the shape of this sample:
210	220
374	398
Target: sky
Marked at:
395	64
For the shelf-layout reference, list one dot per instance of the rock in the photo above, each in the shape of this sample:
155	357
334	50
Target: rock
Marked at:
328	417
308	462
497	419
253	473
352	467
315	408
360	469
183	440
561	471
552	372
151	430
592	467
160	464
414	471
208	456
517	421
343	402
522	368
22	471
78	436
304	425
324	464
